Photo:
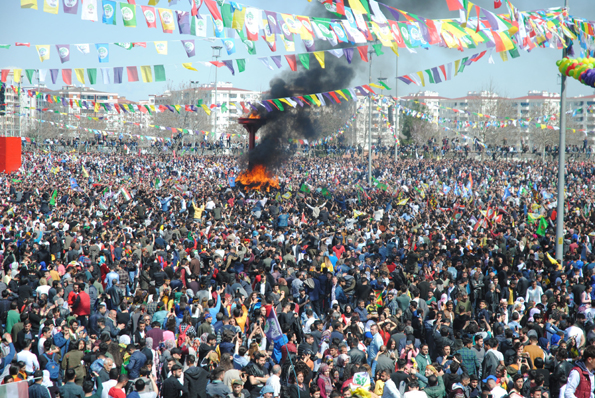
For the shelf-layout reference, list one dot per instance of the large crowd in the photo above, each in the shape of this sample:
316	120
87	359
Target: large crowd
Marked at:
159	275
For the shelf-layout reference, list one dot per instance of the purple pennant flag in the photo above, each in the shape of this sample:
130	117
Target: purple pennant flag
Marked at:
362	91
310	45
183	22
229	64
70	6
348	54
64	103
393	11
327	95
194	108
425	32
277	60
273	24
404	80
118	70
85	104
63	52
253	107
436	74
171	108
54	75
189	47
299	101
283	28
267	106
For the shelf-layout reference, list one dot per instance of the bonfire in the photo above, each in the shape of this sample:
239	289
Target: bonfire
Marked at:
258	178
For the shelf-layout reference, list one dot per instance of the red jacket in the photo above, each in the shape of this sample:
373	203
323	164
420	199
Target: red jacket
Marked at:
584	387
84	307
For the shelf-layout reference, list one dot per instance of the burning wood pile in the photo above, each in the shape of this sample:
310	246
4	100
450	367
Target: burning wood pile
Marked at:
257	178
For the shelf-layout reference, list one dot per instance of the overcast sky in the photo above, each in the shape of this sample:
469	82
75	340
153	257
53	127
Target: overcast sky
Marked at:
532	71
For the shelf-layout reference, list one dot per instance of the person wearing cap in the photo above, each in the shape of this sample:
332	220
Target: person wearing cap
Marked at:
236	389
491	383
172	388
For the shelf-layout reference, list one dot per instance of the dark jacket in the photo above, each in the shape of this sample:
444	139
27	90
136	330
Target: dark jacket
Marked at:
39	391
137	361
195	379
172	387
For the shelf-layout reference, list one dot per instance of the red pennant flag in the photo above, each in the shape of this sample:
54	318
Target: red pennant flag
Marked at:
194	10
340	7
291	60
150	16
132	73
212	6
22	44
4	75
142	109
218	64
117	107
363	52
139	44
67	76
443	69
368	88
303	220
497	4
454	5
335	97
71	103
132	2
244	109
162	108
434	35
188	109
49	99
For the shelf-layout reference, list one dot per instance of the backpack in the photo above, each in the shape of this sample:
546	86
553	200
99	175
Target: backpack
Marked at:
52	367
76	302
182	336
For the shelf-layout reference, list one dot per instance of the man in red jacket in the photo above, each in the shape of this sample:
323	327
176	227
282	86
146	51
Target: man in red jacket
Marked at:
580	380
80	303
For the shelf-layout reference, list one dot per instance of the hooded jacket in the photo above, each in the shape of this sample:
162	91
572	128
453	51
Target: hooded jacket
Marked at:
195	379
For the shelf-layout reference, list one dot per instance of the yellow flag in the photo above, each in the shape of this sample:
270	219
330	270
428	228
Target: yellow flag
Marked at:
395	48
376	85
357	6
206	108
285	101
320	57
421	76
152	107
97	106
50	6
29	4
85	174
292	25
167	20
341	94
43	51
146	73
403	202
80	75
457	65
238	19
161	47
16	73
188	65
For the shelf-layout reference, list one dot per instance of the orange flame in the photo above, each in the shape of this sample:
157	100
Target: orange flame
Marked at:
258	178
254	115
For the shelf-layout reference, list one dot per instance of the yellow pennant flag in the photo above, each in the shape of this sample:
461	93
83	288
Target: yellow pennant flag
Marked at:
504	56
43	51
403	202
16	73
167	20
206	108
320	57
395	48
80	75
85	174
357	7
178	108
287	102
421	76
146	73
161	47
341	94
457	65
29	4
238	19
50	6
188	65
152	107
97	106
292	25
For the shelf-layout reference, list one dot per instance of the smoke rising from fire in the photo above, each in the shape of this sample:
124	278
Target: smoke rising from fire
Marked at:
300	123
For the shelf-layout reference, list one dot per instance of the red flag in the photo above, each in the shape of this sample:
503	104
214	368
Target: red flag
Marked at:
132	2
368	88
150	16
454	5
67	76
363	52
434	35
4	75
303	220
142	109
22	44
212	6
188	109
218	64
117	106
194	10
340	7
497	4
139	44
174	153
291	60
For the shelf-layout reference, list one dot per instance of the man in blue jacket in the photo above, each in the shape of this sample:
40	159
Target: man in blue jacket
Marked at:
136	362
315	293
5	362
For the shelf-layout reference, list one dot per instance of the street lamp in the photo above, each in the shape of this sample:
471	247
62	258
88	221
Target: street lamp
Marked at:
382	79
216	55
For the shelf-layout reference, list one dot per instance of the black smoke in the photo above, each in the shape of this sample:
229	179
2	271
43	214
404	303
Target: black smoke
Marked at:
300	122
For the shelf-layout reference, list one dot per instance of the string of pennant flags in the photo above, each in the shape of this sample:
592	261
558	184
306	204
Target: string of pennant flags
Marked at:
476	25
333	136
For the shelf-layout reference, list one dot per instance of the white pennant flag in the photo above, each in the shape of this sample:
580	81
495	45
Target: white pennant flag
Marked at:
84	48
42	75
89	10
105	75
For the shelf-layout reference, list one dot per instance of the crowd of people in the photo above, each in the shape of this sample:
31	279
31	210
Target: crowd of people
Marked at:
159	275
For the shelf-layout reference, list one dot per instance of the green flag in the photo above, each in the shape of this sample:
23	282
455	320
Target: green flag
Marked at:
224	107
125	45
241	65
378	48
92	74
305	60
53	199
324	192
542	226
128	14
30	73
305	188
159	73
249	44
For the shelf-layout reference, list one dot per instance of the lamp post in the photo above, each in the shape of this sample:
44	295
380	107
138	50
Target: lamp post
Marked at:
561	164
397	113
370	122
194	135
216	55
382	79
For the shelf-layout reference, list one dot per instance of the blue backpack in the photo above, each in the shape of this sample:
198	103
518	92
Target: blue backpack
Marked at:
52	367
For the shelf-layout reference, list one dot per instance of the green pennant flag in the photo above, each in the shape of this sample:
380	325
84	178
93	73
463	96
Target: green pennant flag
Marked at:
159	73
125	45
241	65
305	60
249	44
542	226
305	188
53	198
279	104
324	192
346	92
378	49
462	67
226	15
29	73
131	108
16	181
430	75
199	102
224	107
128	14
92	74
5	46
148	108
383	84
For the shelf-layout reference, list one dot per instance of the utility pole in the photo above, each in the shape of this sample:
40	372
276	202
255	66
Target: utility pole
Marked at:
370	123
561	164
192	82
37	104
397	113
216	55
